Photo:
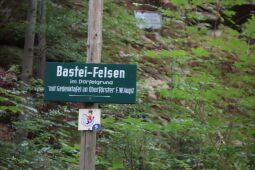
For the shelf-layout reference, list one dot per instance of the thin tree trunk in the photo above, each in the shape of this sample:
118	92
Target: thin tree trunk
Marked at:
27	64
41	57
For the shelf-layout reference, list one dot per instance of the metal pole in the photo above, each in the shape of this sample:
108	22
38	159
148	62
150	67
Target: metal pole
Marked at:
94	48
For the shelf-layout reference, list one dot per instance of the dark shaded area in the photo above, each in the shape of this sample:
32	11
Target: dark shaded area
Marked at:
243	13
12	22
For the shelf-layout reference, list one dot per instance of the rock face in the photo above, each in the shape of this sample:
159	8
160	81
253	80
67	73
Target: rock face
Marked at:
151	86
148	4
213	15
155	2
210	20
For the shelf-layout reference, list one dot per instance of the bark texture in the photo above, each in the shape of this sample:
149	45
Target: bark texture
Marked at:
42	46
27	63
94	44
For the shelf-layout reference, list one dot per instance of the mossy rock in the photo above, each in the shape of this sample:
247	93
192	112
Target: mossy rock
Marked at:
10	55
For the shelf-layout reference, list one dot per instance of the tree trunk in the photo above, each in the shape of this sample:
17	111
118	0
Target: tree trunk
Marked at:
27	64
42	49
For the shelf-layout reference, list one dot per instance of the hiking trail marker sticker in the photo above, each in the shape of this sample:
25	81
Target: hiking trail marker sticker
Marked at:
89	119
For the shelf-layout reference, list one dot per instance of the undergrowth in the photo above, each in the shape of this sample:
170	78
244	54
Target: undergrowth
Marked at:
195	99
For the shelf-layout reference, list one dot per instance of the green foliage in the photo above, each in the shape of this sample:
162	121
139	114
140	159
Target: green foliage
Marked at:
152	54
45	148
202	118
194	30
169	13
175	53
180	2
227	3
130	145
66	32
119	25
200	52
249	28
229	13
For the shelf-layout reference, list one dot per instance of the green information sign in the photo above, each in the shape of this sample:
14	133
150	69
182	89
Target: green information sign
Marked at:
97	83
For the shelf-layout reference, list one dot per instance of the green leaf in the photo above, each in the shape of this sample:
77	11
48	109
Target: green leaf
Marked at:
179	2
108	120
197	2
72	123
2	99
3	168
200	52
152	54
174	53
164	93
132	120
229	13
150	126
249	28
169	13
31	109
13	109
116	164
71	160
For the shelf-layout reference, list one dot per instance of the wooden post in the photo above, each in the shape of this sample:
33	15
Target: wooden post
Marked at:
94	48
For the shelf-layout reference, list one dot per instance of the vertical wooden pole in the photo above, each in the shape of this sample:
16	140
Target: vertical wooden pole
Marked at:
94	44
94	48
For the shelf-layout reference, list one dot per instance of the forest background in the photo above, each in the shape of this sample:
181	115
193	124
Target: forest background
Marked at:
195	102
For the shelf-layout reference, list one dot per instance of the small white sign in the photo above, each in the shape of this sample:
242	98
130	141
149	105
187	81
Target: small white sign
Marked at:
150	19
89	119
